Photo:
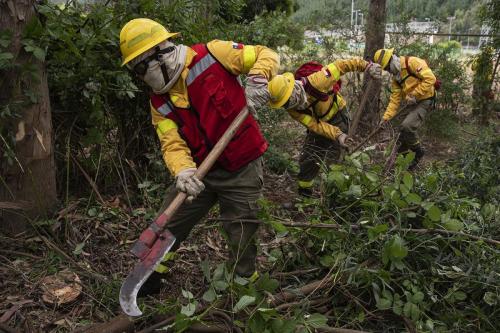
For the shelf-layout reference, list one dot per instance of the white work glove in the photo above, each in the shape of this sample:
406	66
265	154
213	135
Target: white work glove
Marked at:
257	93
344	140
375	70
411	100
188	183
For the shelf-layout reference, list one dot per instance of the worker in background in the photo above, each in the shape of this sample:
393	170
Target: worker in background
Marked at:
195	96
312	98
414	84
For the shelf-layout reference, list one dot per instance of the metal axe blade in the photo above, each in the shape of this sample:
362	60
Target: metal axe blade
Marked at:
141	272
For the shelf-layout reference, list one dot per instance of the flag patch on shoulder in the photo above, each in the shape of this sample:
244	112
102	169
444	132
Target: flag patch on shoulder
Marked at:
237	46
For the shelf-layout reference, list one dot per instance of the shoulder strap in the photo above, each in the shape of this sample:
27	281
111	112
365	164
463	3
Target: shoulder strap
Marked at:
407	64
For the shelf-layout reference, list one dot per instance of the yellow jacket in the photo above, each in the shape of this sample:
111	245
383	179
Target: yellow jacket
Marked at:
326	110
419	84
250	59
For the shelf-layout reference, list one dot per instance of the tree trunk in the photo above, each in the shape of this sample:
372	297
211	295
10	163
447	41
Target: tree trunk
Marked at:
27	178
374	35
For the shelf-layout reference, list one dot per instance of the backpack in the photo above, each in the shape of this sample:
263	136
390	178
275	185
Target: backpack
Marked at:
437	84
309	68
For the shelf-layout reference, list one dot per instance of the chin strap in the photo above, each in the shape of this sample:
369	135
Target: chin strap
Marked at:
159	52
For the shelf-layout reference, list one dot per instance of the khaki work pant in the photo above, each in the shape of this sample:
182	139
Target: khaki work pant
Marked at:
237	194
414	117
317	149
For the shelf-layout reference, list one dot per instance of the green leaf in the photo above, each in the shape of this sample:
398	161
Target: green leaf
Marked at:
266	283
205	268
384	304
92	212
408	180
78	248
490	298
240	280
257	324
338	178
413	198
354	190
189	309
220	285
244	301
397	248
459	295
39	53
453	225
327	261
209	295
316	320
371	177
6	56
434	213
418	297
187	294
375	231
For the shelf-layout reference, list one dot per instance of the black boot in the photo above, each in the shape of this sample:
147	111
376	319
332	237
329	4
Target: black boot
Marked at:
152	286
305	192
419	153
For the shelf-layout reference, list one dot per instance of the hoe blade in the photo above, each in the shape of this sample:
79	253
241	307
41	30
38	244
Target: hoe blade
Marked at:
141	272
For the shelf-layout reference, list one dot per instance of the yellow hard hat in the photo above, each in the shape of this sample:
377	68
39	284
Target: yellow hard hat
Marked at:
383	57
140	35
280	89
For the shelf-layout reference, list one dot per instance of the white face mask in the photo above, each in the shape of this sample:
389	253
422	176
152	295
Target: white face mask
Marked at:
174	62
298	99
395	65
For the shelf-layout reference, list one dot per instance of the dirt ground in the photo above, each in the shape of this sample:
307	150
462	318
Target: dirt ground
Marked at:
102	260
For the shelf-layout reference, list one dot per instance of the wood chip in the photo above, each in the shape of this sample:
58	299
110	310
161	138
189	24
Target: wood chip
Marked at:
61	288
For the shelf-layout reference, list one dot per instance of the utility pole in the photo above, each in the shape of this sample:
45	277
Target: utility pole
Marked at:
450	18
352	13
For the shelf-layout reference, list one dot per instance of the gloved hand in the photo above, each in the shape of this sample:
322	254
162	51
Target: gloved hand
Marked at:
257	93
411	100
188	183
375	70
382	122
344	140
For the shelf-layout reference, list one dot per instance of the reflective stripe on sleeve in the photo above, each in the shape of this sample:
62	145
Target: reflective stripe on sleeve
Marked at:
333	111
334	71
305	183
164	126
425	71
164	109
306	120
249	57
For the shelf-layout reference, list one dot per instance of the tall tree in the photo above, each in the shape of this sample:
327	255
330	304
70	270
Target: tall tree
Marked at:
27	169
374	40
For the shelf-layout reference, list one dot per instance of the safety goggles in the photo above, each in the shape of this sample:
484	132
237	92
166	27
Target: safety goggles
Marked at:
142	67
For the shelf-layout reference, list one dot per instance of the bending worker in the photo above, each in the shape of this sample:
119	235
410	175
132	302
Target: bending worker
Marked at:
312	98
195	96
414	83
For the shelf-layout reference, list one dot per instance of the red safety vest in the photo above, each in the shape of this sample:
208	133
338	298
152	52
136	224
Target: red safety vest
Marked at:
216	97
